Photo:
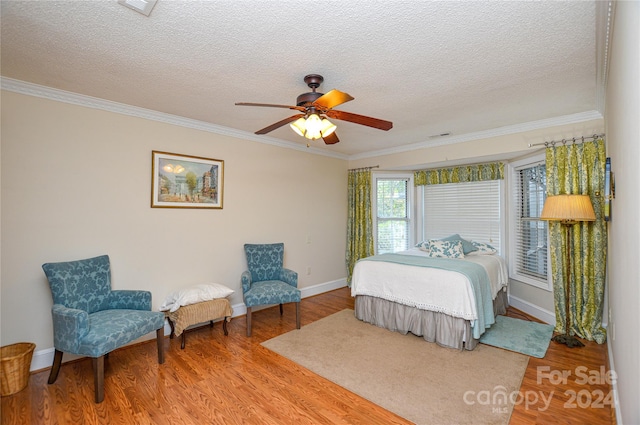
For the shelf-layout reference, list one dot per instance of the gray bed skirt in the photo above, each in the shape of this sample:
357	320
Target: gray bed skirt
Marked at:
444	330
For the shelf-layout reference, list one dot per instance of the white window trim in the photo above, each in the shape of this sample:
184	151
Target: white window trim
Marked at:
410	199
513	168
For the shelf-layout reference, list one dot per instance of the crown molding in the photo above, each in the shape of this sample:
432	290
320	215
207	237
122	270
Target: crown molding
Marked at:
605	11
36	90
30	89
486	134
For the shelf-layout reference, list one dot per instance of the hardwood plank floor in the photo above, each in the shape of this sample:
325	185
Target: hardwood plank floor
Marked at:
234	380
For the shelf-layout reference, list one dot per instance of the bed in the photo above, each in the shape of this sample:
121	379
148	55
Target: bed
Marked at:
449	301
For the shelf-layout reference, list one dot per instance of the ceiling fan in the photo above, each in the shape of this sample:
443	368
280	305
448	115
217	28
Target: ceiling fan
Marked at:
314	108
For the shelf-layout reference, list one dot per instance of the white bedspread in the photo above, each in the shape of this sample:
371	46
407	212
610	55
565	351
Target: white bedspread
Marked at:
426	288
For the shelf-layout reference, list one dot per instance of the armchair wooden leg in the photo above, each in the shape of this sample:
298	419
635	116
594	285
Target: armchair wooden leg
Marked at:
297	315
281	311
98	378
55	368
248	321
160	339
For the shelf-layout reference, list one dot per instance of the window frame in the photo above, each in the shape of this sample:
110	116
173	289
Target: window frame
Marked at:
514	169
375	176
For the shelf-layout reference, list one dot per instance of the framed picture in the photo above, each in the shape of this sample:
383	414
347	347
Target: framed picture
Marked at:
182	181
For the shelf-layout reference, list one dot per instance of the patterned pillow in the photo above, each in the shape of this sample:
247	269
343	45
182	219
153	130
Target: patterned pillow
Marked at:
467	246
424	246
483	248
446	249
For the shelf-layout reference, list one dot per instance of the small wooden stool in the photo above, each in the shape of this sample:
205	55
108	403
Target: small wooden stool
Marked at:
206	311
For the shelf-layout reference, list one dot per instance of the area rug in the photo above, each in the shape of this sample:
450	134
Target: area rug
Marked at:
415	379
521	336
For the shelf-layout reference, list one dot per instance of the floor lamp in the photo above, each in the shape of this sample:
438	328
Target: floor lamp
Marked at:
568	210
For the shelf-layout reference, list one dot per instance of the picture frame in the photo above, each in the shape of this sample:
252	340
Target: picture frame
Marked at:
184	181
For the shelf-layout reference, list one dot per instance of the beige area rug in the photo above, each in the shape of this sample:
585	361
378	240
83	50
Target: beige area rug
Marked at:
418	380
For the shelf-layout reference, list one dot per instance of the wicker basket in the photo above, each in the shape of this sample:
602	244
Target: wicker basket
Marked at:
16	361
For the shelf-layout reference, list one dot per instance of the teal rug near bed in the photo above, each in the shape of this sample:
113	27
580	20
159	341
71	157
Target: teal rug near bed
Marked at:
521	336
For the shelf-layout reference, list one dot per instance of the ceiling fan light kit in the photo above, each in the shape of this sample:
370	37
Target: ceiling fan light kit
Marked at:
313	127
315	107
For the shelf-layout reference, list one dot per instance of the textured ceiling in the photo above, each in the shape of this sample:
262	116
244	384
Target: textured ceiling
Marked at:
429	67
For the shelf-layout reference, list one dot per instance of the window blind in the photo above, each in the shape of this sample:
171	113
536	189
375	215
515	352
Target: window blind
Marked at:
392	215
470	209
530	248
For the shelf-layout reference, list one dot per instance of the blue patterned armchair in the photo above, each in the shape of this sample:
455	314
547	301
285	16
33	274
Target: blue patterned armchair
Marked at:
267	281
90	319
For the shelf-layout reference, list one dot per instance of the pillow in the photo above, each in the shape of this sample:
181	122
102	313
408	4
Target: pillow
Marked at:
424	245
194	294
483	249
467	246
446	249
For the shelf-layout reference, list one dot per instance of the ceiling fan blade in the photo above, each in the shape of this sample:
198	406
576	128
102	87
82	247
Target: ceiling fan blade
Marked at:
360	119
332	99
270	105
331	139
279	124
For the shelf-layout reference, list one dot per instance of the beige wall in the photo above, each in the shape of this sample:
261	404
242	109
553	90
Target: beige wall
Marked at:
623	141
76	183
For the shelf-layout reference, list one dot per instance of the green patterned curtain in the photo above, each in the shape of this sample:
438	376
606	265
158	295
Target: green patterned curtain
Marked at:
461	174
359	222
579	169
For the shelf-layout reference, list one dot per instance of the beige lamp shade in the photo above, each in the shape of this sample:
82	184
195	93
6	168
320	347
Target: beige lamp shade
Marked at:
568	209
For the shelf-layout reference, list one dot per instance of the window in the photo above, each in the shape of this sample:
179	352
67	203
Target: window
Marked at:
393	203
528	240
471	209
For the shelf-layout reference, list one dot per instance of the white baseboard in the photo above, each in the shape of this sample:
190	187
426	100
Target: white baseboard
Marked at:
43	359
614	384
532	309
321	288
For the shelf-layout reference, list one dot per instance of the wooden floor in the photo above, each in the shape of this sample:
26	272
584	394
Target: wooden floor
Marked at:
234	380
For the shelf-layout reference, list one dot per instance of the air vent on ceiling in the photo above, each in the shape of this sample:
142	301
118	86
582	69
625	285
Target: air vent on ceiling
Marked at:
142	6
433	136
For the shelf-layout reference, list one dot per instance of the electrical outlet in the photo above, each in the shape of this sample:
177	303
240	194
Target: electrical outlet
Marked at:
309	270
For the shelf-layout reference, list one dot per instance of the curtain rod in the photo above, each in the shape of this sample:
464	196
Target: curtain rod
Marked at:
364	168
565	141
